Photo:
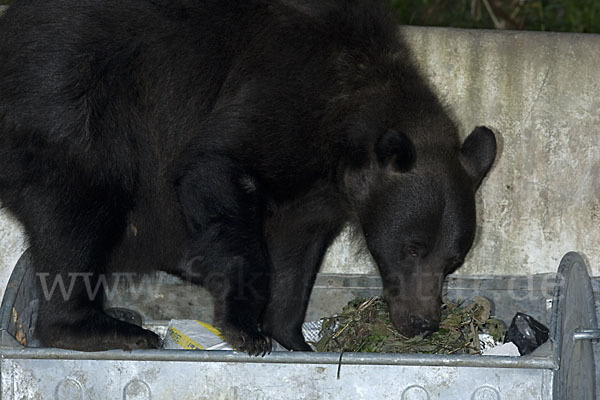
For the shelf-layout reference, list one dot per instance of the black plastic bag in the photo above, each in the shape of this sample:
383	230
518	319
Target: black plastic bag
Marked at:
526	333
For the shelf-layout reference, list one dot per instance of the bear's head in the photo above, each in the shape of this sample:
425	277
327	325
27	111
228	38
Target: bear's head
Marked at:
416	207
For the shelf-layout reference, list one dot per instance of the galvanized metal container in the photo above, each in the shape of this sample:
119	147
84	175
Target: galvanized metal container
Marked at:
563	368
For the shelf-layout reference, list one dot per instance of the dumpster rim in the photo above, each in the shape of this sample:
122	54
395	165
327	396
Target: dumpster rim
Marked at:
285	357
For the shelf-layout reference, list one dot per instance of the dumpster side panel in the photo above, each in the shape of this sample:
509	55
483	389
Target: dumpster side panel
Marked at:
91	380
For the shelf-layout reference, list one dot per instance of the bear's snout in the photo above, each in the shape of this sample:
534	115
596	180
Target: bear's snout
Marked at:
413	323
423	326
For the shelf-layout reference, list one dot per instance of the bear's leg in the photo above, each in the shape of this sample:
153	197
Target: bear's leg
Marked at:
226	252
297	245
72	231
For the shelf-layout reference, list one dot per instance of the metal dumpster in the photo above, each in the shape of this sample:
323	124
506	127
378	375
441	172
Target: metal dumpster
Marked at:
563	368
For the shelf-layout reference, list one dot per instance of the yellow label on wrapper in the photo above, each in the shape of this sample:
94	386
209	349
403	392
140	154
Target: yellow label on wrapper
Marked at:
194	335
211	329
183	341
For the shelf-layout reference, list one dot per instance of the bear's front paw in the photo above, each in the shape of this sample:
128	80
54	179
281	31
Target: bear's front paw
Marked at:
144	340
252	342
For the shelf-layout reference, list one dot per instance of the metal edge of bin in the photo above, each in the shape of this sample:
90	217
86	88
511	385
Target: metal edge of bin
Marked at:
10	297
571	263
283	357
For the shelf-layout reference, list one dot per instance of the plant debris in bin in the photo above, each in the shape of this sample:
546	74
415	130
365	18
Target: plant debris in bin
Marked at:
364	325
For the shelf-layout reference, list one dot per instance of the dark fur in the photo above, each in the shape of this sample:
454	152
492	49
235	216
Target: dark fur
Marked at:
227	142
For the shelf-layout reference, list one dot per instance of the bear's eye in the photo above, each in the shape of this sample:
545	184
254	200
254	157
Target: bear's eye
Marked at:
414	250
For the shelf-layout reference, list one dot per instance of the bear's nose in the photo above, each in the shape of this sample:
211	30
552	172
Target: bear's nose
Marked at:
423	326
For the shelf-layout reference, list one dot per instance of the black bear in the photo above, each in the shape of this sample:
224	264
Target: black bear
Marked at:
227	142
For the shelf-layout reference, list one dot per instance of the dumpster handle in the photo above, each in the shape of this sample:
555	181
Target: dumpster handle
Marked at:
587	334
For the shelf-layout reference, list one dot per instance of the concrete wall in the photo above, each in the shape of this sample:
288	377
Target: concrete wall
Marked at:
541	94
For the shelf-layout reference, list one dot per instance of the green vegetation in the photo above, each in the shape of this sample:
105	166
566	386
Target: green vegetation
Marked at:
364	325
534	15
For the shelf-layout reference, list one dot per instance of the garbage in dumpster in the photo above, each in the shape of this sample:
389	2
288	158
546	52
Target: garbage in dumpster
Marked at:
526	333
501	349
364	326
193	335
184	334
20	333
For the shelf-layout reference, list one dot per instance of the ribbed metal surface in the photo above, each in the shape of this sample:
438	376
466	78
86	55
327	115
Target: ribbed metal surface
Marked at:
166	374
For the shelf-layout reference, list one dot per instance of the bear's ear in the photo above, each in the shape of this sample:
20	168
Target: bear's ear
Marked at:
478	153
397	149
